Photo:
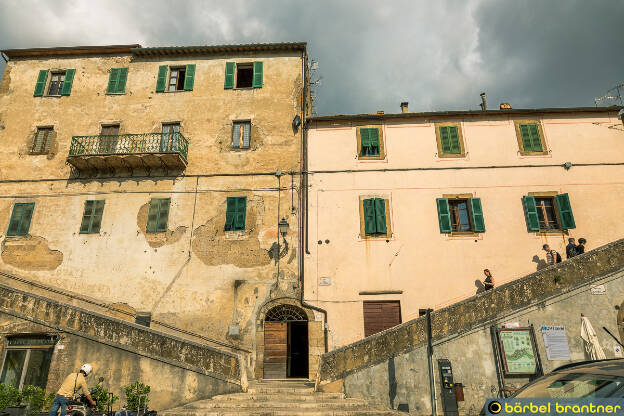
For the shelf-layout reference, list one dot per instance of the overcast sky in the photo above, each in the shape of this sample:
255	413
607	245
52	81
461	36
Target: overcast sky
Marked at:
438	55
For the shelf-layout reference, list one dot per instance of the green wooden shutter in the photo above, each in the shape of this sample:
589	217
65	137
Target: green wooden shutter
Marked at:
527	145
96	221
454	139
161	81
16	218
444	215
68	82
230	214
26	217
163	214
113	79
373	134
41	83
189	77
257	75
365	142
536	143
87	216
121	80
530	209
380	215
152	215
565	212
241	208
477	215
370	219
445	138
230	67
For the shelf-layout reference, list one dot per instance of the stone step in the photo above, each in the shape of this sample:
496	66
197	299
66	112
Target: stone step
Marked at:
281	390
345	404
278	412
278	397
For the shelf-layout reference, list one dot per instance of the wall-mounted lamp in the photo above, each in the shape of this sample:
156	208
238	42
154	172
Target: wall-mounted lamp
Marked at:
283	227
296	123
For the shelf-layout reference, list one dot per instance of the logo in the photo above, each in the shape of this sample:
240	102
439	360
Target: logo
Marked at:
495	407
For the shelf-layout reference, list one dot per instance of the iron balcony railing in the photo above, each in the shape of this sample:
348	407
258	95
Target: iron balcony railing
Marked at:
129	144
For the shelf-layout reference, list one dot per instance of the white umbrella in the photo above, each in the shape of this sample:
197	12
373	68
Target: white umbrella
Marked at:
592	346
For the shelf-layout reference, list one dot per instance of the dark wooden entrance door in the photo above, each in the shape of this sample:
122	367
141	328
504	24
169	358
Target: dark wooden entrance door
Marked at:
379	316
275	349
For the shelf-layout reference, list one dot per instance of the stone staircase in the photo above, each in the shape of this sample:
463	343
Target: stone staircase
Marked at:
280	398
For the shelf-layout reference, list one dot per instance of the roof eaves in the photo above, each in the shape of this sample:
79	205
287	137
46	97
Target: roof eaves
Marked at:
210	49
70	50
430	114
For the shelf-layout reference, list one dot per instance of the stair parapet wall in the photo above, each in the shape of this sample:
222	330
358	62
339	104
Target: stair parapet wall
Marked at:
121	334
474	311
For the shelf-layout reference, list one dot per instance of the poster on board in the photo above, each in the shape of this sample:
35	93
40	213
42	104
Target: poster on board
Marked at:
518	351
556	343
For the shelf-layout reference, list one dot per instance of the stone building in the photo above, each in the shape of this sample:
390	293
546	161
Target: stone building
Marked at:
146	185
407	210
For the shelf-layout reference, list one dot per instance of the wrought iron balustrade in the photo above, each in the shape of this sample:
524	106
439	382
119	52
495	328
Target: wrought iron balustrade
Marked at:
124	144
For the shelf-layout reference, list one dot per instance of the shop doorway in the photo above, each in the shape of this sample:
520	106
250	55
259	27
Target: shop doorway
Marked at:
285	343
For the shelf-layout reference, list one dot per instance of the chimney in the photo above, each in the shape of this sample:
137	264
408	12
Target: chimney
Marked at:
505	106
380	112
404	107
483	102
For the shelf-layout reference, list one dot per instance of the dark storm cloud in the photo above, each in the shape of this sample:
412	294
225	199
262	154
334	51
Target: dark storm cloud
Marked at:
372	55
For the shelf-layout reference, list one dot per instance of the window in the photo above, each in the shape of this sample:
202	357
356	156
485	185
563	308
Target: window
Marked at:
109	135
175	78
60	82
530	137
158	215
117	81
379	316
20	219
170	137
92	217
235	213
450	140
27	361
370	143
460	215
143	318
548	212
43	139
241	132
243	75
374	221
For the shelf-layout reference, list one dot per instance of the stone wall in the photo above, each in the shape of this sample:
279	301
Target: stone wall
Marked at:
391	366
122	352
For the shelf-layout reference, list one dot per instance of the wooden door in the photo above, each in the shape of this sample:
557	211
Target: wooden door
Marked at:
275	349
379	316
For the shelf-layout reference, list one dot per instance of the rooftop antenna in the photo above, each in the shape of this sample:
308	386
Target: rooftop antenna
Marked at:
614	94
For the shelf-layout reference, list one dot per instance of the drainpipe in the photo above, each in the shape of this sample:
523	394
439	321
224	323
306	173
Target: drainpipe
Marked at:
303	230
430	362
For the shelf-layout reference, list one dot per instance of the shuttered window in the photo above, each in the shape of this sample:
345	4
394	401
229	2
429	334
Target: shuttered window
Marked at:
42	78
449	139
531	141
69	81
230	68
158	215
374	216
92	217
379	316
257	75
369	142
548	213
241	134
235	213
565	212
20	219
161	80
43	139
460	215
117	81
244	75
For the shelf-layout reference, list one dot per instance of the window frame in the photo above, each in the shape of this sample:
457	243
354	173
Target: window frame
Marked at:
236	212
176	68
540	130
552	231
455	216
468	197
45	144
159	209
244	65
172	140
109	148
379	236
92	216
382	147
122	74
460	137
240	139
51	74
28	348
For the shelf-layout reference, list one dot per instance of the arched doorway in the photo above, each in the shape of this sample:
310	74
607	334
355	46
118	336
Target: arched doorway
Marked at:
285	343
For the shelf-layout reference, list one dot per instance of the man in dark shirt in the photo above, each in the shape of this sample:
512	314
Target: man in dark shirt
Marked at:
580	249
571	248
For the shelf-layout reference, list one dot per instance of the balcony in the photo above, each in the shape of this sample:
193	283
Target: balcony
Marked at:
145	151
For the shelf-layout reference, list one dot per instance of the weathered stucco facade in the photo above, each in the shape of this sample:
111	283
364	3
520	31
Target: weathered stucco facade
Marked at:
197	280
416	263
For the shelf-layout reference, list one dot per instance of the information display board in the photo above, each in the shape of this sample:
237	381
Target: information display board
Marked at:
518	351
